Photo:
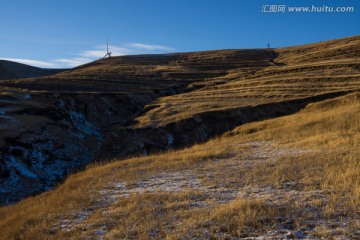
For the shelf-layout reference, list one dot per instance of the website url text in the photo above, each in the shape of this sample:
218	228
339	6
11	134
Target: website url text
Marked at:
309	9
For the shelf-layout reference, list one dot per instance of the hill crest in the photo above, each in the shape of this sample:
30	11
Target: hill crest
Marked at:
15	70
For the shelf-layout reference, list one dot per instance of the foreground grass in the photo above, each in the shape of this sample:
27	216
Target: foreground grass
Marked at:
332	129
304	168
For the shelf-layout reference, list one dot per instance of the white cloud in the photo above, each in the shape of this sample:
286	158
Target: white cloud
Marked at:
31	62
91	55
149	47
73	62
100	51
96	53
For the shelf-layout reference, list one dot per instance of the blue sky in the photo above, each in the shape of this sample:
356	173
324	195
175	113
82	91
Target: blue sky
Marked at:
66	33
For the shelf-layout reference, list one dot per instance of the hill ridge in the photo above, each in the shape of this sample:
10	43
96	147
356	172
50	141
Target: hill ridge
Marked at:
15	70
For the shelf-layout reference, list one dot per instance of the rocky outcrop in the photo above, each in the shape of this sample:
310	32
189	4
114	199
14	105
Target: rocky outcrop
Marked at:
47	136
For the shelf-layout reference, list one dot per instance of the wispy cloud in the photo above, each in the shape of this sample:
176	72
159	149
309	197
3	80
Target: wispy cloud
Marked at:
149	47
31	62
91	55
71	62
100	51
97	52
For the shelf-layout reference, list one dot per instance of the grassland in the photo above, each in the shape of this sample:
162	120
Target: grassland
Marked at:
293	73
292	174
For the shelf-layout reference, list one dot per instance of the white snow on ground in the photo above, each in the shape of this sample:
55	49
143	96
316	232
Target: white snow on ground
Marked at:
179	181
190	180
169	182
69	224
80	122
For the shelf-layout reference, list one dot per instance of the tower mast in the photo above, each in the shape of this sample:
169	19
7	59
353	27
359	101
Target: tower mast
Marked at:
108	54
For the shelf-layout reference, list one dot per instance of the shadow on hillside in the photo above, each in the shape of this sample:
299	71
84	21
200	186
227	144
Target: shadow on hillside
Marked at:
129	141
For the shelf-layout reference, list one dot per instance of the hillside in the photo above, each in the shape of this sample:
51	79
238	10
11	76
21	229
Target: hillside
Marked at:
207	113
290	177
55	125
14	70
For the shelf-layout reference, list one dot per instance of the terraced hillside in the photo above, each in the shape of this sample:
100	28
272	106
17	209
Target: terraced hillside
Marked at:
249	93
295	72
137	105
149	73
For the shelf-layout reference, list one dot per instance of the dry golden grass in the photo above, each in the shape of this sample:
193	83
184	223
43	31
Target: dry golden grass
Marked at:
268	175
325	179
80	192
296	72
236	216
331	128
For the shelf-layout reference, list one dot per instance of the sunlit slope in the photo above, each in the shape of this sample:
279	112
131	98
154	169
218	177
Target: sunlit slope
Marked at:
287	175
296	72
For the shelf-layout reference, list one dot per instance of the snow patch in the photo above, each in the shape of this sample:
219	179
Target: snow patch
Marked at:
80	122
168	182
77	218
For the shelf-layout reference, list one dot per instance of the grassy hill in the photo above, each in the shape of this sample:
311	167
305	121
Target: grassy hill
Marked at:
214	144
293	73
291	176
14	70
